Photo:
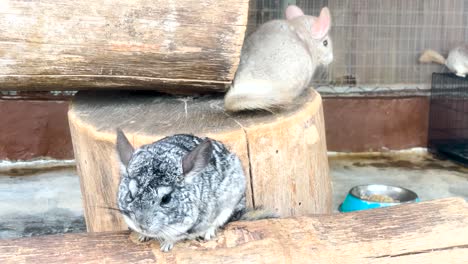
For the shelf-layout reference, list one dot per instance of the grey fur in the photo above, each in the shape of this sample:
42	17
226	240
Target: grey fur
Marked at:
201	200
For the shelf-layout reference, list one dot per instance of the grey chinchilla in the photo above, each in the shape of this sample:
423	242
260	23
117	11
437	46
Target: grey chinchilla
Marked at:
279	59
180	187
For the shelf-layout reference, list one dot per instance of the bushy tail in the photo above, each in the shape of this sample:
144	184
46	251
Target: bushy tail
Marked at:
257	214
252	214
254	95
429	56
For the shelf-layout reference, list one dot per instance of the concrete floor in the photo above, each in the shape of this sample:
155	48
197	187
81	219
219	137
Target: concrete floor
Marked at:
49	202
429	177
43	202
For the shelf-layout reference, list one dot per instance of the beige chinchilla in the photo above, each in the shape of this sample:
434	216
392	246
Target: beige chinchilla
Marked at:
279	59
456	62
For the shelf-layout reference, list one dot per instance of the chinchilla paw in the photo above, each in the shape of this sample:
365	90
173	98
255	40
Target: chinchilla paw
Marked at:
143	238
210	233
166	246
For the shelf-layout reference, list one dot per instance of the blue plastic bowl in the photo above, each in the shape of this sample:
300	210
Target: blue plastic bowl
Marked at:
358	197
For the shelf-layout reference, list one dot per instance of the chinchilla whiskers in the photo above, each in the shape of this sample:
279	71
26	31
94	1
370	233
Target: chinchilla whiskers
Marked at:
164	236
167	233
125	212
176	232
198	201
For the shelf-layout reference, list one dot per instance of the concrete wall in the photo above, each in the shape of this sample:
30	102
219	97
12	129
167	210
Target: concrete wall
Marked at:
376	124
37	128
34	128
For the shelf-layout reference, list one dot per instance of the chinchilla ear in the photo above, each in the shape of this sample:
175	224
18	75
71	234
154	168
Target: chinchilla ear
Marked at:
195	161
322	24
124	148
292	12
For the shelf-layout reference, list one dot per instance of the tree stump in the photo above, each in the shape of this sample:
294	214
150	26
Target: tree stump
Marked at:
428	232
284	155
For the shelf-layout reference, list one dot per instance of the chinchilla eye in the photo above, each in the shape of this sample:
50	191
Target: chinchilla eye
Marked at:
325	43
166	199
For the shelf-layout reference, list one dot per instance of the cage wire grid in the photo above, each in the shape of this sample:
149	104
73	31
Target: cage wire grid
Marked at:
448	117
377	43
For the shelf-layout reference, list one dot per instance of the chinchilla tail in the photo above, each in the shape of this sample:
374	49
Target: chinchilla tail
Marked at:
429	56
251	214
253	95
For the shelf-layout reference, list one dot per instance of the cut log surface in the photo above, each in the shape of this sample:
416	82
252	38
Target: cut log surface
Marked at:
427	232
174	46
284	155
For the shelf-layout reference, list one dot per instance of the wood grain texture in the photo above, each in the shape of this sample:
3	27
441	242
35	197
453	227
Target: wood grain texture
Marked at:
283	155
427	232
290	154
174	46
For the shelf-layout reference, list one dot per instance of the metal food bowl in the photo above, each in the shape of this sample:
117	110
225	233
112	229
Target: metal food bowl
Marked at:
365	197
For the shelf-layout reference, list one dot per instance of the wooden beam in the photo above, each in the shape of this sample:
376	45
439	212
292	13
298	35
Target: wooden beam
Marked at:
427	232
173	46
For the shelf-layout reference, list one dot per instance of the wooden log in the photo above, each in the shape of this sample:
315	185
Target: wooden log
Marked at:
284	155
173	46
428	232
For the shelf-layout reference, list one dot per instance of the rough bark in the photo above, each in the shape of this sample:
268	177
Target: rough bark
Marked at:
173	46
428	232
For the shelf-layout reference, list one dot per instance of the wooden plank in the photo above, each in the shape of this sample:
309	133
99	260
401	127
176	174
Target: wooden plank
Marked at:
264	142
140	44
427	232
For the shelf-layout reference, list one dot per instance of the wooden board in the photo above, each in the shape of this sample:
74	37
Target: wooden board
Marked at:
284	154
428	232
173	46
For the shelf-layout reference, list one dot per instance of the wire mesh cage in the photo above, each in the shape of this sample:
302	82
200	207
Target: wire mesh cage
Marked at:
448	117
377	43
